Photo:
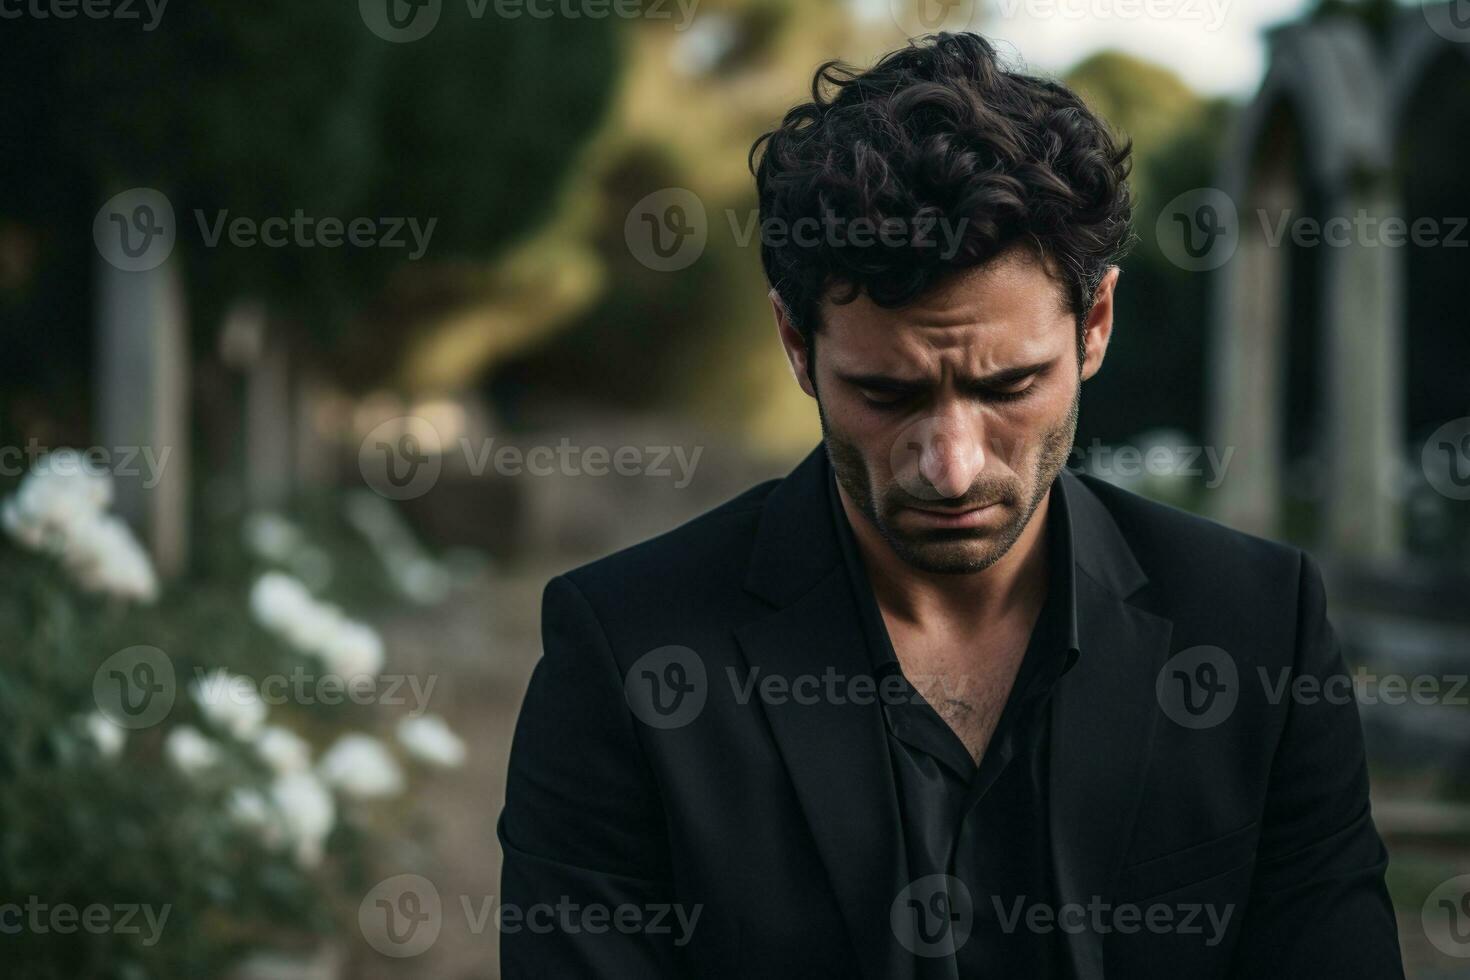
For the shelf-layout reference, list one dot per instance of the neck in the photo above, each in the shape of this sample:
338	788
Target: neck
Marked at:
1015	583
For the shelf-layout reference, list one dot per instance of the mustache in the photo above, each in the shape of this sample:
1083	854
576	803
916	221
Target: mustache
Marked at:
977	496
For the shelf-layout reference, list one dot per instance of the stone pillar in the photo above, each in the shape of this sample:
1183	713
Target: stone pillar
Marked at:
268	428
1363	340
142	404
317	441
1246	373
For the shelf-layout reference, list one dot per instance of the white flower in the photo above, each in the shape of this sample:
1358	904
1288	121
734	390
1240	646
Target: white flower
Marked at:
248	807
283	750
287	608
361	767
21	525
108	736
352	650
229	701
424	581
270	536
276	600
429	738
189	751
103	556
60	508
307	812
297	812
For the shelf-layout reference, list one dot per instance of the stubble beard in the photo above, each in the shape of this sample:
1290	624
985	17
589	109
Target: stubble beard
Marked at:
952	551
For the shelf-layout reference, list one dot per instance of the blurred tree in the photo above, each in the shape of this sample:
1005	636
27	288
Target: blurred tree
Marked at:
1377	15
698	341
270	108
1155	372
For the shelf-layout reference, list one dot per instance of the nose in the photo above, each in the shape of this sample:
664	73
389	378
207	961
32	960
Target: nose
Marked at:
950	454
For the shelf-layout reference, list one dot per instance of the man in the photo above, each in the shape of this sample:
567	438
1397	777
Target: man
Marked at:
932	705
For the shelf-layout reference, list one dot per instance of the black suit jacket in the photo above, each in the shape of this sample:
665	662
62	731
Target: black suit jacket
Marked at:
774	820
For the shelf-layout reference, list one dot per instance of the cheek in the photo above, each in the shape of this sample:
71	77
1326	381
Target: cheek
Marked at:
1019	431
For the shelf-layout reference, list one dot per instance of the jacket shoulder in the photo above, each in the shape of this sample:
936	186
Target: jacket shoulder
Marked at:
714	546
1170	543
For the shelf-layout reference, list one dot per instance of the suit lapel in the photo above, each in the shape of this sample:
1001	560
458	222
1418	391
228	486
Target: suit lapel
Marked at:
1103	717
835	748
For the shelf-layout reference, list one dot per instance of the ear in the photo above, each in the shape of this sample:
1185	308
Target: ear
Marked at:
1098	329
797	353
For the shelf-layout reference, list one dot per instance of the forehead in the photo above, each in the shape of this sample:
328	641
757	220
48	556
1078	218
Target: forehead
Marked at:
982	318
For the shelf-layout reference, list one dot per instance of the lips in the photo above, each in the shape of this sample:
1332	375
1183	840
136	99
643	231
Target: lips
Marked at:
968	517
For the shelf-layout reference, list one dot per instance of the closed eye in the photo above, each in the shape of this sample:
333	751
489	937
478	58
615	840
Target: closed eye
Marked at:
885	399
1011	394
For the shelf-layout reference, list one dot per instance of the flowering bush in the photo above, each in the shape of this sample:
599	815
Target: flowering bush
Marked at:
144	769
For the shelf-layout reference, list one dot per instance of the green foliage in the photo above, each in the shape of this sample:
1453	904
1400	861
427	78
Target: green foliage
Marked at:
267	108
1377	15
81	830
1157	354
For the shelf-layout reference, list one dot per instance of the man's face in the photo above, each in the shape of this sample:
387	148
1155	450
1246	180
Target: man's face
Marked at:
948	420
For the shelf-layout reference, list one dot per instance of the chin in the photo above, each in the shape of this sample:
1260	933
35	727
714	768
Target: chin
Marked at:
948	554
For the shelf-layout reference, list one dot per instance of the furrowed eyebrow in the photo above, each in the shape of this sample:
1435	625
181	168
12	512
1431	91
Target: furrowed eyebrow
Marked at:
998	379
883	382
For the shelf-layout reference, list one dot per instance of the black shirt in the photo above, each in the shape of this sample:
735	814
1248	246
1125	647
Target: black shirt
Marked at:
985	825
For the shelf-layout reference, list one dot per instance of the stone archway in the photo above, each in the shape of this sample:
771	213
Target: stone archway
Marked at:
1311	148
1429	110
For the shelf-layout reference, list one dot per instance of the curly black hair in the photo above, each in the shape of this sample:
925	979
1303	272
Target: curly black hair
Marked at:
936	135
